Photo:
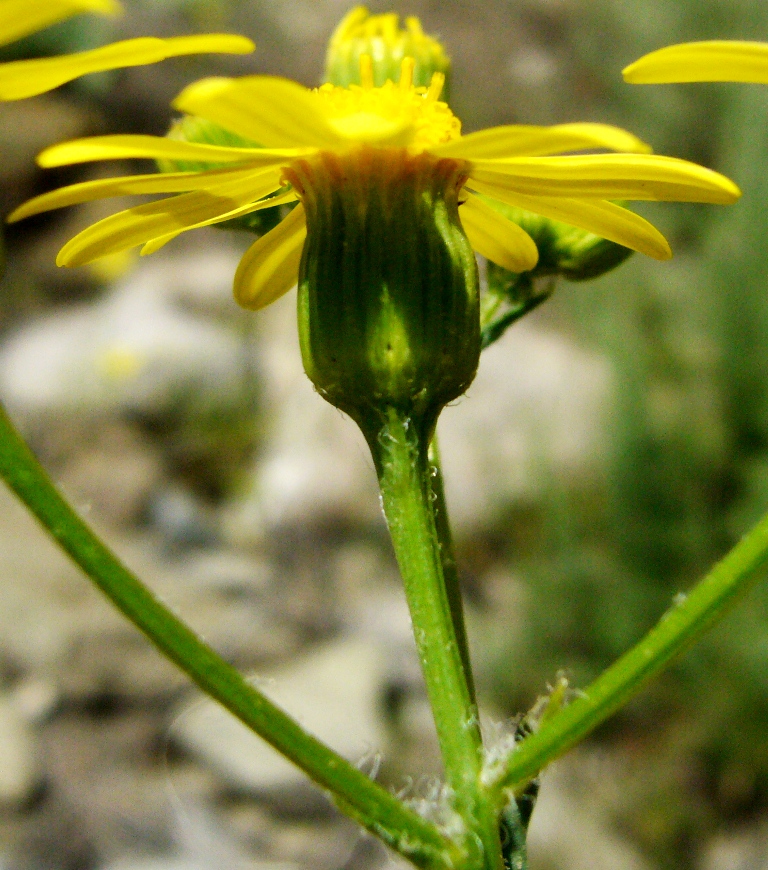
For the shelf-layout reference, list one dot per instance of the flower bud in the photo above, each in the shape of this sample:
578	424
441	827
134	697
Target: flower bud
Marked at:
388	289
386	43
564	250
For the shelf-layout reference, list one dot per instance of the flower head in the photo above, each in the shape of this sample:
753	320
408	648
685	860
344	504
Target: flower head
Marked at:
511	164
713	61
28	78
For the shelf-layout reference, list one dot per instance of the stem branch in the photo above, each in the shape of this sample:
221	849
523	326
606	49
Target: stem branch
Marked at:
448	561
678	628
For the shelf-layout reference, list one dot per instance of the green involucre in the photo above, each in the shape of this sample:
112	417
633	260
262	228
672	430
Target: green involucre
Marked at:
388	287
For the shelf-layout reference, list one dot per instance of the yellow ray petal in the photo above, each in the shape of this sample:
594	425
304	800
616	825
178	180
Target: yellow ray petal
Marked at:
158	148
138	225
19	18
26	78
270	267
497	238
87	191
155	244
597	216
715	61
530	141
274	112
610	176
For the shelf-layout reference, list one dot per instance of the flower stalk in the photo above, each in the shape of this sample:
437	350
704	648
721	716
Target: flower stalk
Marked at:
389	329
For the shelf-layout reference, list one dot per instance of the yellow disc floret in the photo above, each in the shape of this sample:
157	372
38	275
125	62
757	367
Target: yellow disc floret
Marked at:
398	115
360	24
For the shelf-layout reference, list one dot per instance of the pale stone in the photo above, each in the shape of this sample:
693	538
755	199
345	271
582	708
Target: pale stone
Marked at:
18	759
571	827
333	692
535	410
745	848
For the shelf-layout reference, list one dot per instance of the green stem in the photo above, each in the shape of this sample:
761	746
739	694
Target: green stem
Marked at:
369	804
448	561
400	451
678	628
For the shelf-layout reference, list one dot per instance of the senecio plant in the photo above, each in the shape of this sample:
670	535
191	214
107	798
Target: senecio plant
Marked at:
377	206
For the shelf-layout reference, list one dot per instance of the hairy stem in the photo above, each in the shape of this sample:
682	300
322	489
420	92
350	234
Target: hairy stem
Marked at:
400	448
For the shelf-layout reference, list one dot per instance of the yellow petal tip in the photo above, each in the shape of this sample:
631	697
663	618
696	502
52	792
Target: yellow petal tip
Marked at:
707	61
629	73
16	215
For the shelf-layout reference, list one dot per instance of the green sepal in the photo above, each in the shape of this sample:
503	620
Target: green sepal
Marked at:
388	288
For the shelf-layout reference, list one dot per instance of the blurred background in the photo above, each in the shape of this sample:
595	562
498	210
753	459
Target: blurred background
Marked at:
614	445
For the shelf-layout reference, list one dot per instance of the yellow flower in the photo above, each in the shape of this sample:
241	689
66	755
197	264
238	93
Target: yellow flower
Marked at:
27	78
715	61
318	133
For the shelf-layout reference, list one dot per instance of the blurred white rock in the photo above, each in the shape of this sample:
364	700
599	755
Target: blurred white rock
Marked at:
19	770
313	463
35	700
201	841
142	348
536	410
42	598
68	642
745	848
154	381
571	825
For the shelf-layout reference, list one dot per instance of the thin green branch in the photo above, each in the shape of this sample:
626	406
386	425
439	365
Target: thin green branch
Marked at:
494	329
687	619
368	803
448	560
